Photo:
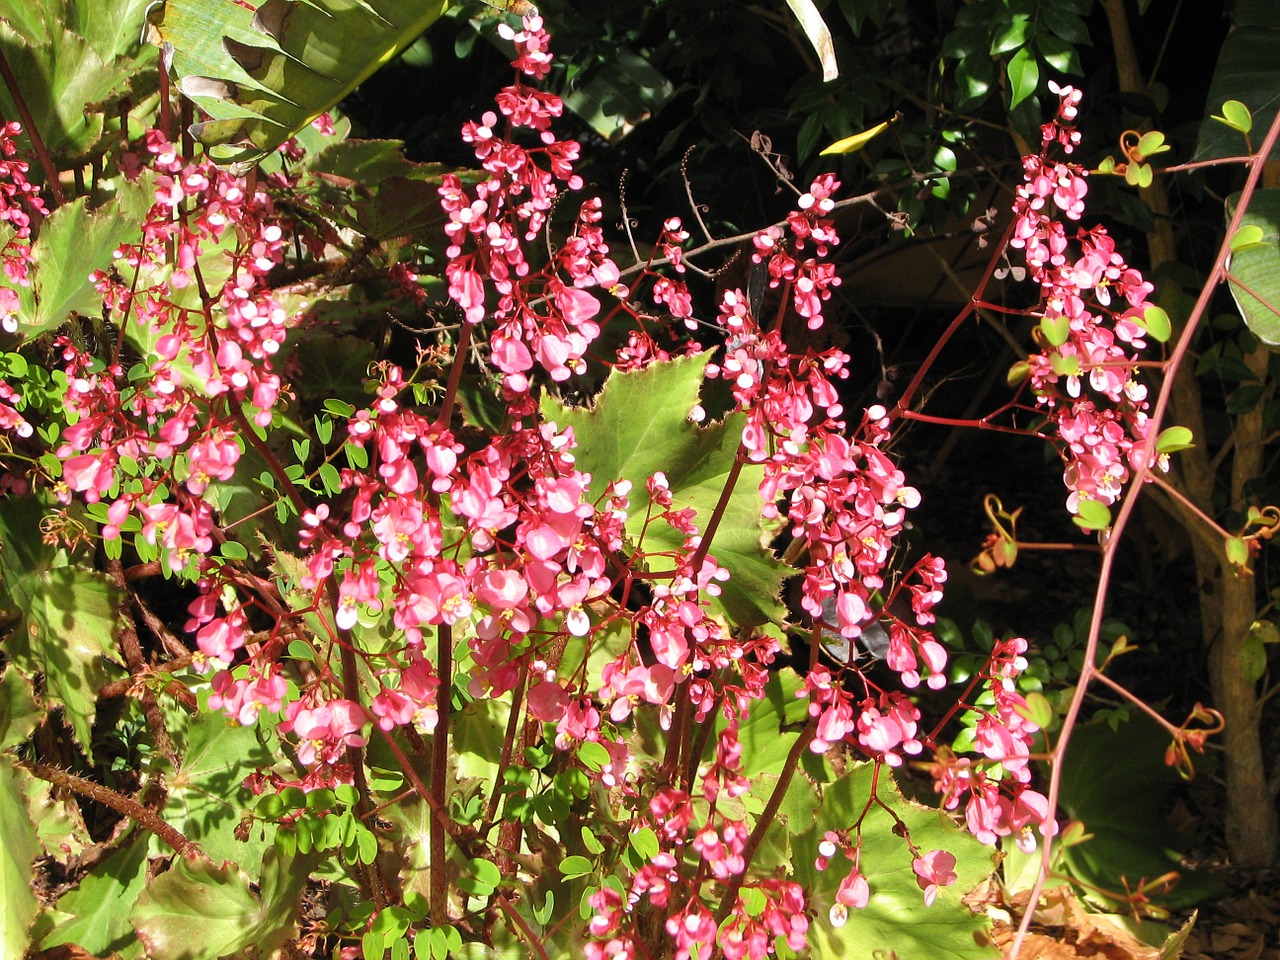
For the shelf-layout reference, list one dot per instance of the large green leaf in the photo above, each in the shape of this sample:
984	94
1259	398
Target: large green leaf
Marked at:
16	853
639	425
369	186
75	61
1117	783
263	74
895	921
73	242
1249	71
207	799
1256	265
99	906
199	910
19	712
69	616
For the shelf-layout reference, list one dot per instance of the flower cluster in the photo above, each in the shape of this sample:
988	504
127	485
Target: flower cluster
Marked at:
1093	321
501	548
19	200
996	788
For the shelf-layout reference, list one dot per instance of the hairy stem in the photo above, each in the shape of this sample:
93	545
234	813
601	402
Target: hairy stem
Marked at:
126	806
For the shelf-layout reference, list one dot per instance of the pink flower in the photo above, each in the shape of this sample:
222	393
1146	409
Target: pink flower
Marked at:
935	869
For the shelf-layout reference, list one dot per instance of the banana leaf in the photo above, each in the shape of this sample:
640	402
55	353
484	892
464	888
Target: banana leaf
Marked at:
261	70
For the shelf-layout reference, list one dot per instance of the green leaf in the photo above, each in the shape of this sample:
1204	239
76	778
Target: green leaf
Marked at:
99	906
1058	54
571	867
1116	782
1265	630
67	104
1156	322
19	712
974	77
486	872
640	425
16	855
1237	551
199	910
1249	235
593	755
1063	21
1256	264
263	76
1236	116
1249	74
1092	515
1151	143
207	799
1173	439
1024	76
1038	710
73	242
1056	330
69	616
772	725
1253	659
895	921
1012	36
645	843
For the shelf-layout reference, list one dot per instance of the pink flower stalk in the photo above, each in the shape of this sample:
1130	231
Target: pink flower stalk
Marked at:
1092	307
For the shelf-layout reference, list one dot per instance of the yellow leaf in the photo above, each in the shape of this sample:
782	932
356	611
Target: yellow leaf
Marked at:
859	140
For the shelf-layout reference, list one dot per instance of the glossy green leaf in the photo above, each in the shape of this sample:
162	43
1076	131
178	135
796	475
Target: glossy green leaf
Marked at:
974	77
895	921
1255	267
262	75
1058	54
1011	36
16	855
198	910
615	442
1024	76
69	616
